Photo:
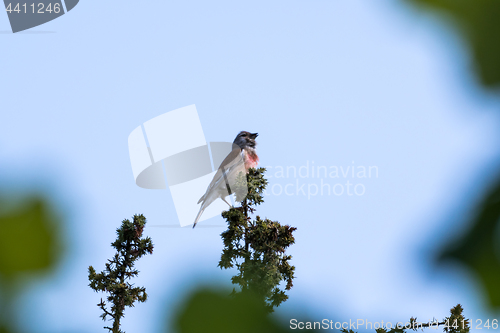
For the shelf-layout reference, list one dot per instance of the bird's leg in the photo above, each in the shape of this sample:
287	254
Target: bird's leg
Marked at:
231	206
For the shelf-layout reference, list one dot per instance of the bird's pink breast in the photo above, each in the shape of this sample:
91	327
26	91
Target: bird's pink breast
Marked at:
251	160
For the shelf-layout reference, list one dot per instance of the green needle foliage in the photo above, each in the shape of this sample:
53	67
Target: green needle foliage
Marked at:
257	246
130	246
456	322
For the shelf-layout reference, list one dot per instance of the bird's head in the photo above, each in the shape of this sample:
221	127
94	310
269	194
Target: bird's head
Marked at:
246	139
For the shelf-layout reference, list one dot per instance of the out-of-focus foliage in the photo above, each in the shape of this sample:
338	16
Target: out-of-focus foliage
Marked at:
130	246
29	240
212	310
257	247
479	249
477	21
30	244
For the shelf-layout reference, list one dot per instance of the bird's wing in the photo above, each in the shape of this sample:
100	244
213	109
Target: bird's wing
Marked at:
232	160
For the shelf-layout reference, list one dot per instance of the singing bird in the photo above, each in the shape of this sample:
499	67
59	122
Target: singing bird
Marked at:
240	159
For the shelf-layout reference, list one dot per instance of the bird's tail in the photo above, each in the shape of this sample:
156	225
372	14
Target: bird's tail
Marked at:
202	209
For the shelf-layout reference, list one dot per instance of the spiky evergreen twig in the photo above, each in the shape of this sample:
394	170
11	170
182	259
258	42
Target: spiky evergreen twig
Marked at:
130	246
257	246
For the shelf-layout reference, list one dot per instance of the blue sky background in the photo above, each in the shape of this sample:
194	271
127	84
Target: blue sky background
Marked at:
374	82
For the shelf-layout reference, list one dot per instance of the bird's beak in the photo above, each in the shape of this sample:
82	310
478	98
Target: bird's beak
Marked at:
254	135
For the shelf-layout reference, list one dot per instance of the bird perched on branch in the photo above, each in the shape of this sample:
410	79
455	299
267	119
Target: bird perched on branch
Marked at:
240	159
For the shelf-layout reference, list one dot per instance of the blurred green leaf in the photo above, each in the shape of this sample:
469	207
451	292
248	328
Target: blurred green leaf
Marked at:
209	310
29	241
478	22
4	330
479	248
